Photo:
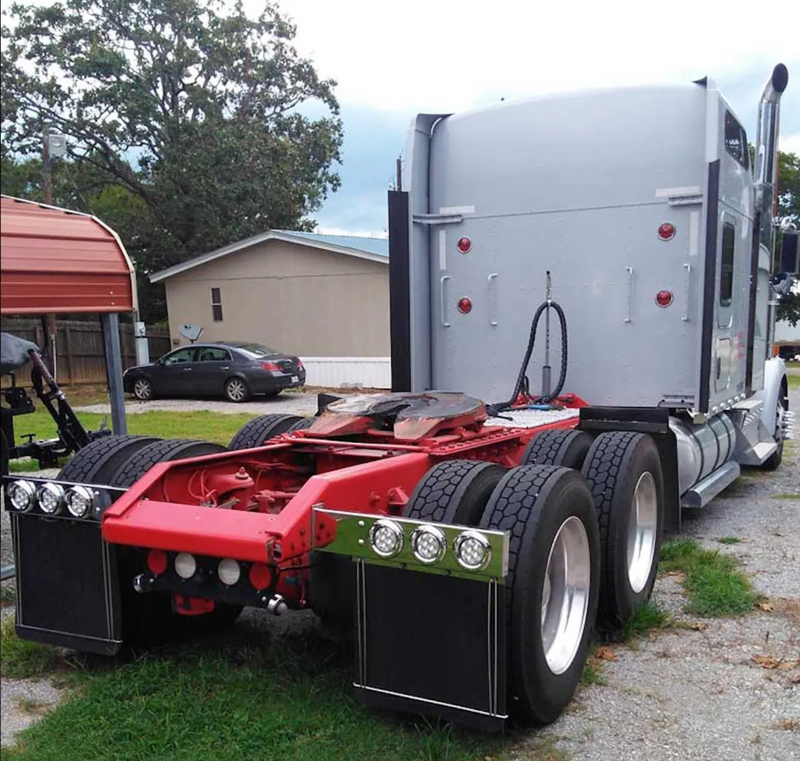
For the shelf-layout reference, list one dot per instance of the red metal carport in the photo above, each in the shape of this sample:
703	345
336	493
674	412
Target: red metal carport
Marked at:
56	261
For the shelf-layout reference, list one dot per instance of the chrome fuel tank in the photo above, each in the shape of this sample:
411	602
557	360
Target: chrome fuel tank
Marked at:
702	448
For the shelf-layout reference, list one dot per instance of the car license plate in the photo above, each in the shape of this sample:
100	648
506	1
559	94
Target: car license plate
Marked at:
295	379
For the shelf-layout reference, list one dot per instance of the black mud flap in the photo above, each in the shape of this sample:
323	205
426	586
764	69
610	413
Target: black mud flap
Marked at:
430	634
67	586
432	645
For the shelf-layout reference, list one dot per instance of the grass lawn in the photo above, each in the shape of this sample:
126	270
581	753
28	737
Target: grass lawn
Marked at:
263	698
207	426
794	380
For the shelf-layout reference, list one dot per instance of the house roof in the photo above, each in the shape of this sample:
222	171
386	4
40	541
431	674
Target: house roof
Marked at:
372	249
57	261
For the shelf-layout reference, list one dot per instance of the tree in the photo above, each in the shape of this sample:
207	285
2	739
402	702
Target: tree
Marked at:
789	214
198	117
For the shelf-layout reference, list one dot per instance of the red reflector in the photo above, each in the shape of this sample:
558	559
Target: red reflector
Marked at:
464	245
666	231
464	305
270	366
664	298
157	561
260	576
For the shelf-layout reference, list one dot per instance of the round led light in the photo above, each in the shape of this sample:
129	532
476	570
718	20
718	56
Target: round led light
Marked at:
465	305
79	501
185	565
428	544
666	231
22	495
473	550
50	498
229	571
386	538
464	245
664	298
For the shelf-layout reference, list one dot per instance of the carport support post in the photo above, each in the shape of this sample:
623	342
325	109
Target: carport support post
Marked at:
110	323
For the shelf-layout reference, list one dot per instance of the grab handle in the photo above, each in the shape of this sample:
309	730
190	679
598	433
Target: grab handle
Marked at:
443	299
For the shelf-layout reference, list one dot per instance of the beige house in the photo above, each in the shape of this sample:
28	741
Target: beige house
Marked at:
322	297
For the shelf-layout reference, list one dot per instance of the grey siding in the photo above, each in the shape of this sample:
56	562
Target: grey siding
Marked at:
296	298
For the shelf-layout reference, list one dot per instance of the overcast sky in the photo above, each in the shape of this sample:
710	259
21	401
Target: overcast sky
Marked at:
392	60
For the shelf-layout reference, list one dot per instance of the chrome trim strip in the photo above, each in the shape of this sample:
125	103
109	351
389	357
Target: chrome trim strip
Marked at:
72	634
429	701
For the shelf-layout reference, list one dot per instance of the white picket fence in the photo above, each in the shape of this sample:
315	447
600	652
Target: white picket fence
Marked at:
344	372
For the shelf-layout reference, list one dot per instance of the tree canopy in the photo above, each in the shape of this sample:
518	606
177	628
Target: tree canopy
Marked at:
209	124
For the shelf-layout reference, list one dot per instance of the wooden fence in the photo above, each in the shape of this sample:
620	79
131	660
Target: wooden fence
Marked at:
80	356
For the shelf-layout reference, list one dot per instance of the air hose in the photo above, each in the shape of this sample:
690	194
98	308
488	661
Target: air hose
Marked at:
522	380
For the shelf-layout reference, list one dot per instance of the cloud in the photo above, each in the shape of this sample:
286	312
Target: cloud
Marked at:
393	61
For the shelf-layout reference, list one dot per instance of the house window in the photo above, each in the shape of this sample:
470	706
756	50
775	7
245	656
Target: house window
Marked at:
216	304
726	266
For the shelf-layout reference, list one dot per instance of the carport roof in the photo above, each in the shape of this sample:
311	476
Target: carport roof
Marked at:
373	249
56	261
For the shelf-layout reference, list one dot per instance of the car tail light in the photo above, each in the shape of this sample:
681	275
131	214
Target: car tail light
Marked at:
270	366
300	365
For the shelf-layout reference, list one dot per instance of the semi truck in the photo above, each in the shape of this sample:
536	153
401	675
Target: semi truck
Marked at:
474	525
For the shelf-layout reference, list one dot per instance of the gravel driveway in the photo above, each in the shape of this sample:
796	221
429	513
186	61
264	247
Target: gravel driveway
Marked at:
693	695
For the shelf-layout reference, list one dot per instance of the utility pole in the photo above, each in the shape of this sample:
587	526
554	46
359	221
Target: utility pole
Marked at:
46	164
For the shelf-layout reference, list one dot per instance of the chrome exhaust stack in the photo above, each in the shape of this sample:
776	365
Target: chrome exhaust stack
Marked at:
766	168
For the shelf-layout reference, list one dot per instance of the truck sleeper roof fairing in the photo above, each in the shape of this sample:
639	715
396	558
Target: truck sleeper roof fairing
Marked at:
579	185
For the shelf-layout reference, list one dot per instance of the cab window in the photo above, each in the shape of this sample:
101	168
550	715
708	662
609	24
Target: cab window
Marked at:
726	265
736	140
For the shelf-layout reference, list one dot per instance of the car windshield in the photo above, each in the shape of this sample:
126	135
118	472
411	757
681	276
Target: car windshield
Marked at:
256	351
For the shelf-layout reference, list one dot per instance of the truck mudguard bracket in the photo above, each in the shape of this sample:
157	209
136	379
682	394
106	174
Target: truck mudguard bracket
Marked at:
430	638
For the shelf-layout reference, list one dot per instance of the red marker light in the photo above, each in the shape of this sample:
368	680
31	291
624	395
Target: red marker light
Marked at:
464	245
666	231
664	298
157	561
464	305
260	576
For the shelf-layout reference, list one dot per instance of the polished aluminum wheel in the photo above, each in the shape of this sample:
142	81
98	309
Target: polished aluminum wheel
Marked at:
642	527
565	597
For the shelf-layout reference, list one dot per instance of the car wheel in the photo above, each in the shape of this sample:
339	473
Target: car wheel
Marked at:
236	390
143	389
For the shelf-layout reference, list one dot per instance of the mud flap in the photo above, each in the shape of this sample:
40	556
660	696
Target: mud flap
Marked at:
433	645
67	586
429	640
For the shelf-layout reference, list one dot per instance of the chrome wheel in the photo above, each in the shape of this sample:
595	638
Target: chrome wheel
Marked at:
236	390
142	389
642	525
565	595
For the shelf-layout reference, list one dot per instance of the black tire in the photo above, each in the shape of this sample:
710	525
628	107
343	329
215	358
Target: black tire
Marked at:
532	503
455	492
236	390
148	619
301	425
97	462
615	465
142	388
130	471
558	447
261	429
774	461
